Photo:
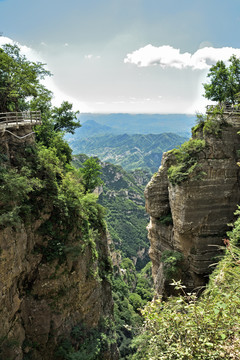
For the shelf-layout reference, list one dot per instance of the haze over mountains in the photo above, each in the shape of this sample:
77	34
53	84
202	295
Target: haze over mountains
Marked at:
130	151
132	141
135	124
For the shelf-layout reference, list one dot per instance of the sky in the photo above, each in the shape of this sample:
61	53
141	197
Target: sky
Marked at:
125	56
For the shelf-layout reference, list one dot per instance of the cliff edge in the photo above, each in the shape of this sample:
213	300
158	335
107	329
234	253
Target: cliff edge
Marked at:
191	199
56	298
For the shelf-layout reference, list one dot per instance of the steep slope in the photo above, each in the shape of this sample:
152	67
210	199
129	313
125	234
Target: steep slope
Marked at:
123	199
189	326
56	300
191	200
129	151
122	196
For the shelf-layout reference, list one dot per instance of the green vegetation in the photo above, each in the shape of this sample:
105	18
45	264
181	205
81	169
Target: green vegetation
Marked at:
123	198
166	219
131	291
224	83
91	174
185	162
15	188
99	124
19	79
171	262
42	181
187	327
21	90
129	151
127	224
38	182
210	123
193	326
87	344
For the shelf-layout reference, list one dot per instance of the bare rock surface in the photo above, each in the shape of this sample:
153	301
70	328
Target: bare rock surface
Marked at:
200	208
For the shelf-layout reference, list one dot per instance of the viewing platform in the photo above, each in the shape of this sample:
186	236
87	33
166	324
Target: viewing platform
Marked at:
14	120
228	112
225	108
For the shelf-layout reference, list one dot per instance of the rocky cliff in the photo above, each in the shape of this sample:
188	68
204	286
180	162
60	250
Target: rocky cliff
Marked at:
191	199
54	266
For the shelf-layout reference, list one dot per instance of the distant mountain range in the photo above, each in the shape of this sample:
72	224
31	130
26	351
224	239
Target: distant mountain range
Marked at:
135	124
129	151
92	128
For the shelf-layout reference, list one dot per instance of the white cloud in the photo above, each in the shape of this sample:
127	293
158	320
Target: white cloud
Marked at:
58	95
4	40
25	50
89	56
167	56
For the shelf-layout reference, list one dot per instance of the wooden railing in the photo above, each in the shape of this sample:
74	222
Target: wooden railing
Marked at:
11	119
227	108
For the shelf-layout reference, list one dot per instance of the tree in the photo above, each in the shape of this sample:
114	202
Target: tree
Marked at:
234	78
91	174
63	118
217	89
21	89
224	83
55	121
19	79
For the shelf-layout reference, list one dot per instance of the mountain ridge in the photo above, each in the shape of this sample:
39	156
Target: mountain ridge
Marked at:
142	123
129	151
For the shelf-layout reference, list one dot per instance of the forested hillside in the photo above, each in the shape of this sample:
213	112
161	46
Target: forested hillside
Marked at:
121	193
122	196
129	151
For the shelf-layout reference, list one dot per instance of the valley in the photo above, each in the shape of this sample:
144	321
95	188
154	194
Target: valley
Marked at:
129	151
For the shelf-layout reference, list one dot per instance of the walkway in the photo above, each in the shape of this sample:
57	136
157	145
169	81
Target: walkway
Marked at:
16	119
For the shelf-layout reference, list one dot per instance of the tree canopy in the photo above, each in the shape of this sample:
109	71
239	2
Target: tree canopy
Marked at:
21	89
224	85
19	79
90	172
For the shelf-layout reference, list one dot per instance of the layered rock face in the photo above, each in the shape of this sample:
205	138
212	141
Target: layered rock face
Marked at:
43	301
200	208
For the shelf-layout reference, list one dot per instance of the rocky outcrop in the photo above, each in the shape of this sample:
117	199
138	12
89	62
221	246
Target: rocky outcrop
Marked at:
199	208
41	301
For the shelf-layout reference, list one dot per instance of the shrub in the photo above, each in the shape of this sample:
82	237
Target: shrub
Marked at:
166	219
171	261
211	123
187	327
186	161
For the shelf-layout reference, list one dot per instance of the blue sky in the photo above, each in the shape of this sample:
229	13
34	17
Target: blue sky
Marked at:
125	55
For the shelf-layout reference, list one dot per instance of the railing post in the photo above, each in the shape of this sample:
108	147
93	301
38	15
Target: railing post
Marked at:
15	118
